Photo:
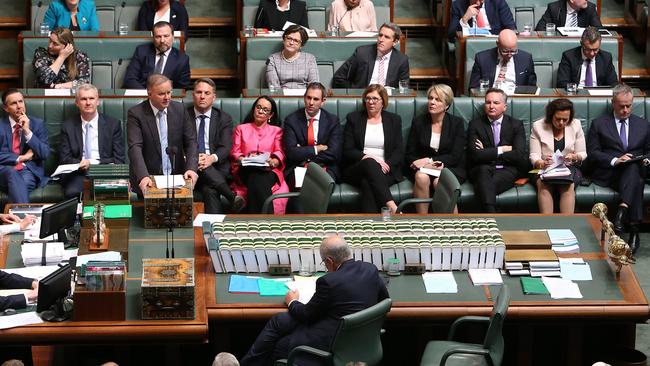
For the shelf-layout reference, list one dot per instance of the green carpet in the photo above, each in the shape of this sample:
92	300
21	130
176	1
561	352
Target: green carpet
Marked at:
423	53
210	8
412	9
217	53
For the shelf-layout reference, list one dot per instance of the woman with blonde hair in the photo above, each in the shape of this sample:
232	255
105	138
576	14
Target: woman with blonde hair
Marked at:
61	66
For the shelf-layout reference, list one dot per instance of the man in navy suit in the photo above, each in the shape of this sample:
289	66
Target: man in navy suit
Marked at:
312	134
214	137
158	57
578	66
348	287
492	15
89	138
505	66
570	13
14	281
496	146
618	147
379	63
23	149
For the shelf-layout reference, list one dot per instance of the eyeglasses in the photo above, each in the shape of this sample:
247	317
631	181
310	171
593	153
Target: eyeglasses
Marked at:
591	50
509	52
372	99
292	40
263	109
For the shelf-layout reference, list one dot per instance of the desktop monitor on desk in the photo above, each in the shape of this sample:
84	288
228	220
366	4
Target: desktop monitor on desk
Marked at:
52	291
55	219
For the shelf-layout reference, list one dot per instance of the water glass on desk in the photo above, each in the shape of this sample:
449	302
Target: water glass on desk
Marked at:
571	88
44	29
249	31
550	29
385	213
528	28
483	85
334	32
403	86
273	88
123	29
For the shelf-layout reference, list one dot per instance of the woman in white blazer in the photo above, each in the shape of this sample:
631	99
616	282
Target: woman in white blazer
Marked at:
557	131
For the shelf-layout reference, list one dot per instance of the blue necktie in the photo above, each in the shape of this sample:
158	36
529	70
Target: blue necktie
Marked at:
162	128
623	134
201	134
87	143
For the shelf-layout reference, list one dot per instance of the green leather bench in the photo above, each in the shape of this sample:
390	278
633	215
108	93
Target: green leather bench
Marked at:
104	51
345	197
546	52
318	12
109	13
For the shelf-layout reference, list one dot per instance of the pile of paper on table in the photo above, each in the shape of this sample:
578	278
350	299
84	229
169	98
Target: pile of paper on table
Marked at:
532	262
564	241
35	254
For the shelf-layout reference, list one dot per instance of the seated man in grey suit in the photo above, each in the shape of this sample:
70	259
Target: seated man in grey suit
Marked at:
158	57
379	63
505	66
161	137
570	13
578	66
214	138
89	138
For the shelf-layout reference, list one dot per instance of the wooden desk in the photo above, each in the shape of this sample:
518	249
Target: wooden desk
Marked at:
149	243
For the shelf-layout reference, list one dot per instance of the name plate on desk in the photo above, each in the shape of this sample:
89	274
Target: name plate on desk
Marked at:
155	207
168	288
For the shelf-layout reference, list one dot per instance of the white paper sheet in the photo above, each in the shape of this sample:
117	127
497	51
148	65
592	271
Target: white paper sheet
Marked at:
600	92
293	92
306	287
560	288
575	269
57	92
431	172
440	283
362	34
135	92
299	173
20	319
103	256
175	181
257	160
571	31
485	276
212	218
65	169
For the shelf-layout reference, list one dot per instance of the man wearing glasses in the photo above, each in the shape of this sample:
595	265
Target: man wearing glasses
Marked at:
504	66
587	65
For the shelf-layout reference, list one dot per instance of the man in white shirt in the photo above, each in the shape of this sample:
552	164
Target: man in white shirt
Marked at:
570	13
87	139
587	65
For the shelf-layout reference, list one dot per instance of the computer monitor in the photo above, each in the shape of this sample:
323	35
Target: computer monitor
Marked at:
52	290
55	219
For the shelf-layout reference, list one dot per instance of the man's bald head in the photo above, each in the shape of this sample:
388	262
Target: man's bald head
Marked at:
507	41
334	250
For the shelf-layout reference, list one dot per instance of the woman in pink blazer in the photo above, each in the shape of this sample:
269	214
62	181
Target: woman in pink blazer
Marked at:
259	134
557	131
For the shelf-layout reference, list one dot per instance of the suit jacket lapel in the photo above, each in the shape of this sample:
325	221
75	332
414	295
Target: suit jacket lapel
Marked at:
322	123
150	120
214	119
613	131
6	128
372	56
102	137
488	131
78	136
562	19
169	64
392	66
444	132
493	62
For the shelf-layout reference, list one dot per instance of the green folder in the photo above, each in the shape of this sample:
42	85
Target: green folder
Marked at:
533	286
111	212
273	287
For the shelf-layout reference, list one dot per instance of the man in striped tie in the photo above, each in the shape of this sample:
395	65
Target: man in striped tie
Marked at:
570	13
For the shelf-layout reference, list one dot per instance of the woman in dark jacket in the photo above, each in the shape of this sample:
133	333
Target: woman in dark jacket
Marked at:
373	151
436	141
153	11
270	17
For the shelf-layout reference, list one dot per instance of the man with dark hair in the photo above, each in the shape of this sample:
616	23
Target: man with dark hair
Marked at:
158	57
618	147
214	139
348	287
570	13
587	65
492	15
380	63
89	138
496	149
312	134
23	149
159	130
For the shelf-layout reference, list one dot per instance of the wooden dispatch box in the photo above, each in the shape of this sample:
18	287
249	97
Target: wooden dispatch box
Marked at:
155	206
168	288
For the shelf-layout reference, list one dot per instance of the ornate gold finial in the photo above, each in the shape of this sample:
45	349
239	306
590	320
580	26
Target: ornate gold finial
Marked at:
617	250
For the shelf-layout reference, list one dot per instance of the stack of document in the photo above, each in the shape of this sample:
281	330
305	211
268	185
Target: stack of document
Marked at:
485	276
257	160
563	241
532	262
544	268
33	253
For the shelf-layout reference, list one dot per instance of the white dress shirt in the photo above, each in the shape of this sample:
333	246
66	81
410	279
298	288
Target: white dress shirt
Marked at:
277	5
94	136
375	71
373	143
434	143
165	17
206	128
510	77
316	120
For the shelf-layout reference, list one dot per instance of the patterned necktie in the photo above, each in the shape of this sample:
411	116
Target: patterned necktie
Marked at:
162	133
311	140
623	134
381	77
15	146
589	78
502	72
573	22
201	134
87	143
496	131
159	64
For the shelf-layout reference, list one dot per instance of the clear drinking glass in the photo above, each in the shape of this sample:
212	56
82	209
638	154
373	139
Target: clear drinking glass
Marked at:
528	28
550	29
483	85
385	213
393	267
249	31
44	29
403	86
334	32
123	29
571	88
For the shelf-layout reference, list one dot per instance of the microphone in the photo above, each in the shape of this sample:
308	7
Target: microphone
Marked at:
259	15
119	17
117	69
474	21
338	24
38	12
171	206
263	75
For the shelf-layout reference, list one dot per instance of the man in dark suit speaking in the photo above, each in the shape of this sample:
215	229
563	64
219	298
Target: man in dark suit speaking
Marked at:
578	66
159	130
496	146
312	134
23	149
618	147
505	66
214	138
570	13
379	63
89	138
158	57
348	287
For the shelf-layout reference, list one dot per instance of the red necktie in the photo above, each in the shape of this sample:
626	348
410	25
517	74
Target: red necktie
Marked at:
310	133
480	20
16	146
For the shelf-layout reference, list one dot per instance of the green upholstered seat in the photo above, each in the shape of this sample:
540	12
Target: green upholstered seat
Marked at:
444	197
357	339
314	196
453	352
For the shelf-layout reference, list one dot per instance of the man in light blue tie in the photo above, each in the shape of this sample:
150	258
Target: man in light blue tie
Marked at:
161	137
618	147
89	138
